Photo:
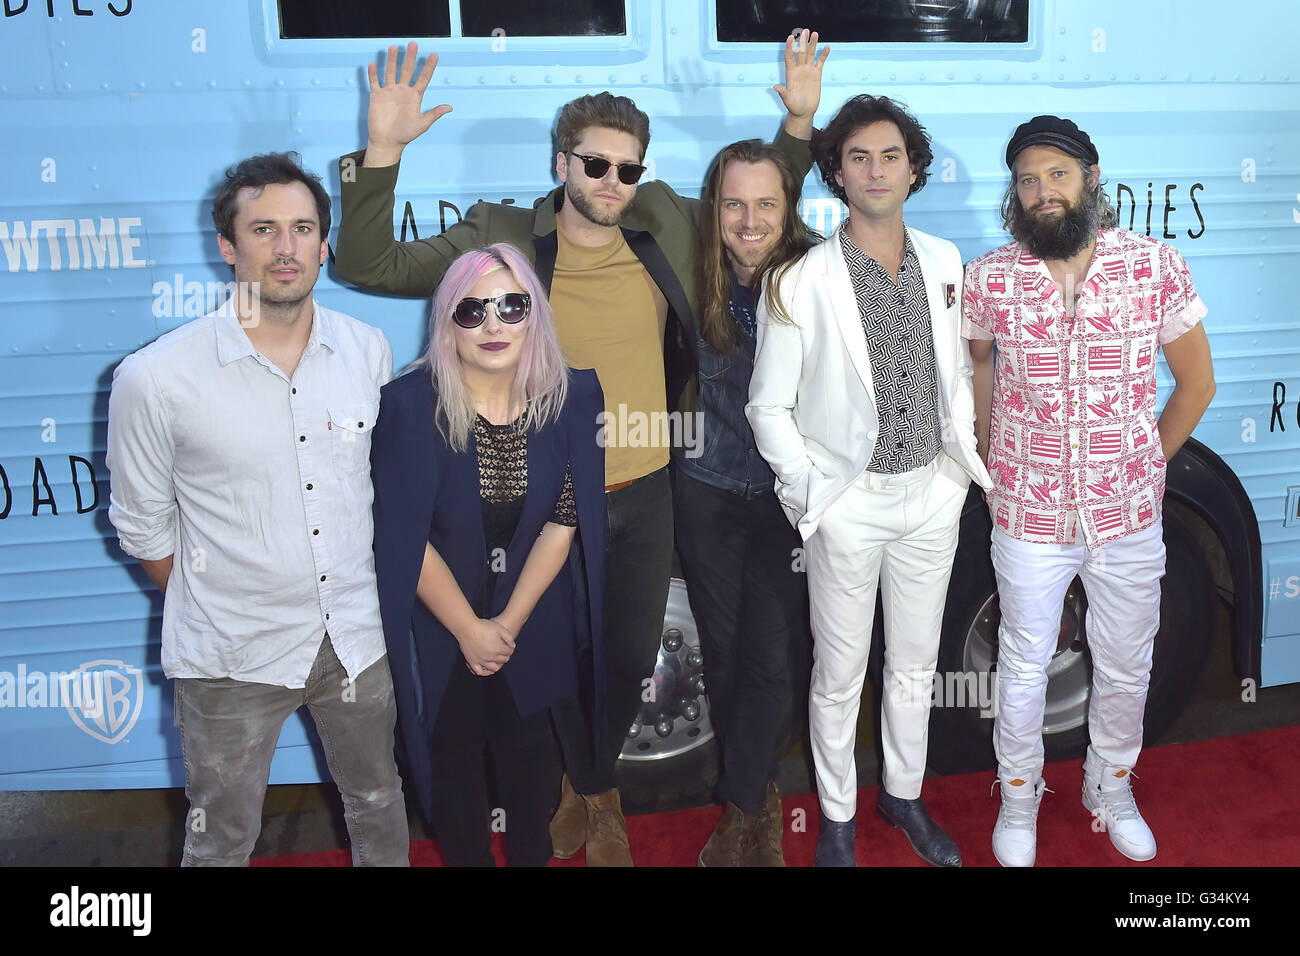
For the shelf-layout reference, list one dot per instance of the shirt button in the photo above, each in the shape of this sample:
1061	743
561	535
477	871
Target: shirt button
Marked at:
309	486
322	577
327	615
293	391
363	424
315	530
302	438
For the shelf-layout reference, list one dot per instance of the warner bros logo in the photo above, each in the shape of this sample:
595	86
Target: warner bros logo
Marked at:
111	704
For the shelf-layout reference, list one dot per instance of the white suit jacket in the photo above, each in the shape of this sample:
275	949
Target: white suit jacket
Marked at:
811	400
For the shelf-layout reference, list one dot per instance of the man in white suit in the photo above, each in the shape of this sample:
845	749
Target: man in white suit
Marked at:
861	402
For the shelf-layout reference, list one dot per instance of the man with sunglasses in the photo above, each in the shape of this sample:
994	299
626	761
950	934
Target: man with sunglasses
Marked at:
618	262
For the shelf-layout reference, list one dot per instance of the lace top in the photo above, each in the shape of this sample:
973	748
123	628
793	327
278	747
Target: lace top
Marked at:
503	482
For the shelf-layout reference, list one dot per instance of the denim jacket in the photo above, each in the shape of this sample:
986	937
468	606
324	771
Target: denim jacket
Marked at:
729	458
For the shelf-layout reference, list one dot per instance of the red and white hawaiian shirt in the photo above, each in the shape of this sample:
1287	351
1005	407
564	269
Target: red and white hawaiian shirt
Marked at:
1073	446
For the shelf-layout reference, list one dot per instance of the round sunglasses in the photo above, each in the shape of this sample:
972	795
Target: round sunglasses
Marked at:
596	168
511	308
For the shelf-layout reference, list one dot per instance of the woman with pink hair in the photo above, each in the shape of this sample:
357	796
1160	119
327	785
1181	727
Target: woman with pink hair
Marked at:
489	543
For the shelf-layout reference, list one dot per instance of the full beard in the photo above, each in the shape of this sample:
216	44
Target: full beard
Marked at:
589	211
1061	236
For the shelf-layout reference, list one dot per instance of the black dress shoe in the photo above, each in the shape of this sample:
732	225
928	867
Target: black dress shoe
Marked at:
928	839
835	843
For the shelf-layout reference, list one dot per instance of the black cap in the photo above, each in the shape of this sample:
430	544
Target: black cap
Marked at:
1051	131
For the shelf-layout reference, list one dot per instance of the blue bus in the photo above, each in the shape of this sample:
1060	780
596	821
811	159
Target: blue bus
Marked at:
123	114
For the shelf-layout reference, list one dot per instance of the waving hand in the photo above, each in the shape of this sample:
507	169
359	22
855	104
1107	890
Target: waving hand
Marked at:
394	118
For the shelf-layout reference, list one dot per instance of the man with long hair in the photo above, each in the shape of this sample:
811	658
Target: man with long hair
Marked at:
1066	421
861	403
738	552
240	450
618	263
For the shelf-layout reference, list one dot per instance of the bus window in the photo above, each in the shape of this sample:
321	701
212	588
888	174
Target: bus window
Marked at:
877	21
343	19
338	19
542	18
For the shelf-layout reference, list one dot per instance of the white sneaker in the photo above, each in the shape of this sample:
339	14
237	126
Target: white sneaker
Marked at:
1108	796
1015	835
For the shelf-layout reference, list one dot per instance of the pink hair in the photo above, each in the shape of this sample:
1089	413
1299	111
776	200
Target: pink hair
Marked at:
541	378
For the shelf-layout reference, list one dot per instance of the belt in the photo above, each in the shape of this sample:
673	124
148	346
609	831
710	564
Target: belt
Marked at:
620	485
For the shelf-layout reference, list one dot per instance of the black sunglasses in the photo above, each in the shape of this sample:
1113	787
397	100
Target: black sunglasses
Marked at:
511	308
596	168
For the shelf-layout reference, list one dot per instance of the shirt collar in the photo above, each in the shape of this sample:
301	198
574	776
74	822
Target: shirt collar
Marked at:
867	263
233	343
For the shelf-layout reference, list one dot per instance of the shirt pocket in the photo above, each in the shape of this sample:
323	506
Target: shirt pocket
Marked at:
350	428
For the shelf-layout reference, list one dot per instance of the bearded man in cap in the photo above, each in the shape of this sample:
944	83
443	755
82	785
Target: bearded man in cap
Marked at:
1065	419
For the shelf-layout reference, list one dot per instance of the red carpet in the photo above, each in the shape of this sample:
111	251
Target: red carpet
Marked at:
1223	802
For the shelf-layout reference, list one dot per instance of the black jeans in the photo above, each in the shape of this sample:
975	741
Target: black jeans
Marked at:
479	712
638	564
749	596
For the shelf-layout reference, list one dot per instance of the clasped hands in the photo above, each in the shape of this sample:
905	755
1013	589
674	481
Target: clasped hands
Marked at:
486	646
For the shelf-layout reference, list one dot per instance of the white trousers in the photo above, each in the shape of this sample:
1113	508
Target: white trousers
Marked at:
1122	583
898	531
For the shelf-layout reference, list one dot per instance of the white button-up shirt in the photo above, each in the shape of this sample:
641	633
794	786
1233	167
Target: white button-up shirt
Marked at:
259	485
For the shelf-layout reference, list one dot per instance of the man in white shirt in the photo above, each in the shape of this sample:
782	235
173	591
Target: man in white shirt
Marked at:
239	446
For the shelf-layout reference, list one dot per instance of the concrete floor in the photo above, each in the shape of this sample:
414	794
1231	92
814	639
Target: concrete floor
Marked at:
144	827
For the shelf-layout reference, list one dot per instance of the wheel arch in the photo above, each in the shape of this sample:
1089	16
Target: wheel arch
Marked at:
1201	482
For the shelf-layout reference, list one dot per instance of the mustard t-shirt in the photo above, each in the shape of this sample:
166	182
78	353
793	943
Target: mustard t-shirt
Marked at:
610	316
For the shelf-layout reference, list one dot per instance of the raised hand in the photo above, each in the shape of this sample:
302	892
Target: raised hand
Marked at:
393	118
802	91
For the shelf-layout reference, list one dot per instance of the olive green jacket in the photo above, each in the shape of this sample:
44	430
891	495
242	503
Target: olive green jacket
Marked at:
660	227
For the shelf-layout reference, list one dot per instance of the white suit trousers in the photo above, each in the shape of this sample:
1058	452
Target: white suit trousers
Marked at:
899	531
1122	582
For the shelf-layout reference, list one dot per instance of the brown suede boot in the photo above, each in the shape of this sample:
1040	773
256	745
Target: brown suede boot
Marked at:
726	844
606	830
569	825
767	843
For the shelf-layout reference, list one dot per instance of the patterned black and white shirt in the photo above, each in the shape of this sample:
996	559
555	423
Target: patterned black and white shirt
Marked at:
900	343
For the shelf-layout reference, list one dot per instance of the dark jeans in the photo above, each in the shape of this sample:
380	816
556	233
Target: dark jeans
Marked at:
478	713
750	605
638	564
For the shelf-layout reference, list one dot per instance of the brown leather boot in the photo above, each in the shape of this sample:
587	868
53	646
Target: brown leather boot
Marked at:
569	825
771	825
726	844
606	830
